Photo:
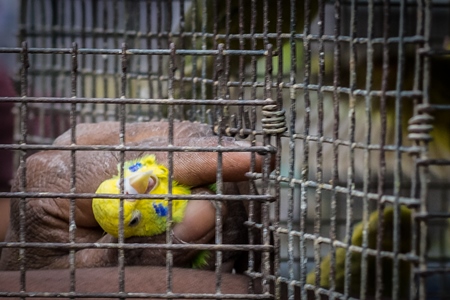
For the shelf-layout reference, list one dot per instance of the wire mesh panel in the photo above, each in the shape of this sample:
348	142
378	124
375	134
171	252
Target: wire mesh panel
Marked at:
340	106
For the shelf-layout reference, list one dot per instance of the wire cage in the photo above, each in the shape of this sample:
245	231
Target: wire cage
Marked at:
348	99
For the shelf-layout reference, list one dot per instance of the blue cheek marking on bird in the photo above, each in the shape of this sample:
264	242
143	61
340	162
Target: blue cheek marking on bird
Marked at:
160	209
135	167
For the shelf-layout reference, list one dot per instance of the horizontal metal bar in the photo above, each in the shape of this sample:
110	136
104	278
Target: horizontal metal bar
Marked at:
324	291
325	186
428	215
359	40
353	248
126	246
325	240
93	32
214	197
439	106
438	162
432	271
289	282
284	85
105	51
358	145
123	295
221	149
434	52
254	84
348	91
135	101
396	4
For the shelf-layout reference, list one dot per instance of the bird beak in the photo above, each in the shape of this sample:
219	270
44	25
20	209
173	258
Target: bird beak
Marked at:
142	182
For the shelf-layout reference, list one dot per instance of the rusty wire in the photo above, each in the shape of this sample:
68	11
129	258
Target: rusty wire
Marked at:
286	111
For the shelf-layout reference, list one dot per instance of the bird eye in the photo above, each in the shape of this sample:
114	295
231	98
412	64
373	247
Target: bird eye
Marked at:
135	219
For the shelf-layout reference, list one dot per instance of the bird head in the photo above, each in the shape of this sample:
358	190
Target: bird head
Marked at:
143	217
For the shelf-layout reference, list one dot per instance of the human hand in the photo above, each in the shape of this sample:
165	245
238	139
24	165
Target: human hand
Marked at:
49	171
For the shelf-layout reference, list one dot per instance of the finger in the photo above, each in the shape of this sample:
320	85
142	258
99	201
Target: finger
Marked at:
190	168
108	133
201	168
199	220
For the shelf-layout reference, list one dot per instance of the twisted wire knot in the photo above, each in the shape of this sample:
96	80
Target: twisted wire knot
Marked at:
274	121
420	125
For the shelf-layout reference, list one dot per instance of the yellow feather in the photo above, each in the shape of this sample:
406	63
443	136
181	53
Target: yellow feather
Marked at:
144	217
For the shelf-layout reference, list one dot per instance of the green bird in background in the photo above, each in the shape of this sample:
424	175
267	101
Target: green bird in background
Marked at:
356	257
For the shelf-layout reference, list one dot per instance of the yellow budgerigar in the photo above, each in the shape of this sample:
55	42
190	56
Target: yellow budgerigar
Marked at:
142	217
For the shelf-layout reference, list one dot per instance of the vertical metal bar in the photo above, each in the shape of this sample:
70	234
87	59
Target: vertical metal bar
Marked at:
168	27
95	43
60	78
319	156
398	152
423	225
88	107
53	64
226	70
72	20
30	22
415	180
159	27
170	115
292	132
335	168
182	57
241	109
221	94
23	33
351	166
424	170
382	164
109	109
305	154
265	22
368	129
23	29
194	59
122	115
204	47
132	37
149	46
265	179
177	109
73	122
48	19
116	44
252	190
215	15
217	73
227	46
33	43
23	174
279	95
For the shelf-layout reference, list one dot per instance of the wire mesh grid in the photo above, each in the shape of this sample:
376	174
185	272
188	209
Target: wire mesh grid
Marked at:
343	95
